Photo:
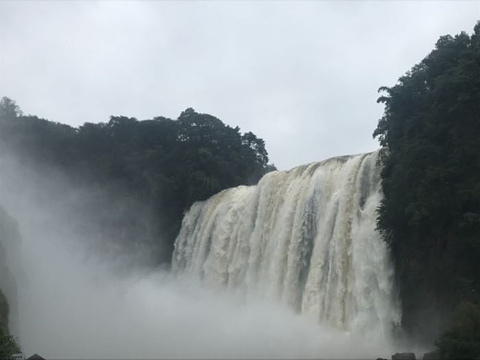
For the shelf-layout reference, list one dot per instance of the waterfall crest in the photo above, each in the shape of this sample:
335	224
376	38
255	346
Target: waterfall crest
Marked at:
305	237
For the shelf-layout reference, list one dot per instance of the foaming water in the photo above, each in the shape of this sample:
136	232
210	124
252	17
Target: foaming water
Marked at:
77	304
73	306
305	238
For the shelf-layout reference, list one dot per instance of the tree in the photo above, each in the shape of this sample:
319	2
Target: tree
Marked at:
160	164
8	345
430	214
462	341
9	108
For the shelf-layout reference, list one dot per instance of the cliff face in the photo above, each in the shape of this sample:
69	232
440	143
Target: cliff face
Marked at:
9	242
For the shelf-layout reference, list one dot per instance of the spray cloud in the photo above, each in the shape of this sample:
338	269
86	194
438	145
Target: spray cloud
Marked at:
78	302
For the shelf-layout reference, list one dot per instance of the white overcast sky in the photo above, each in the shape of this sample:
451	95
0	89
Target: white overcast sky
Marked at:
302	75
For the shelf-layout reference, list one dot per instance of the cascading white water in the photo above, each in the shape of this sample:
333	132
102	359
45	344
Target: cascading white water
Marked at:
269	240
305	237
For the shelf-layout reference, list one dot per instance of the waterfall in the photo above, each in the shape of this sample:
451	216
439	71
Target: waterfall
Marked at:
304	237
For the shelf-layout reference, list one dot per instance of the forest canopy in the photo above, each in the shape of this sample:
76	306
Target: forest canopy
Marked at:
160	163
430	213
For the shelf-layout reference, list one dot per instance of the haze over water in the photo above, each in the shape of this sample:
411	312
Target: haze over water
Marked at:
78	303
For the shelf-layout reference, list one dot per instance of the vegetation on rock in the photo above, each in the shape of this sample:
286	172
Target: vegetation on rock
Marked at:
8	344
430	214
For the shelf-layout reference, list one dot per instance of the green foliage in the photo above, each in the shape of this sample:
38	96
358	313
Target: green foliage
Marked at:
163	164
8	345
9	108
462	341
4	310
430	214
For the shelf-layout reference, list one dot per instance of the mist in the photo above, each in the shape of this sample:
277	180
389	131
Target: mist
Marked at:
81	296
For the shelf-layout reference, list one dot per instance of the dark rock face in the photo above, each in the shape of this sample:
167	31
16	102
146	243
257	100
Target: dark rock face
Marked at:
404	356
